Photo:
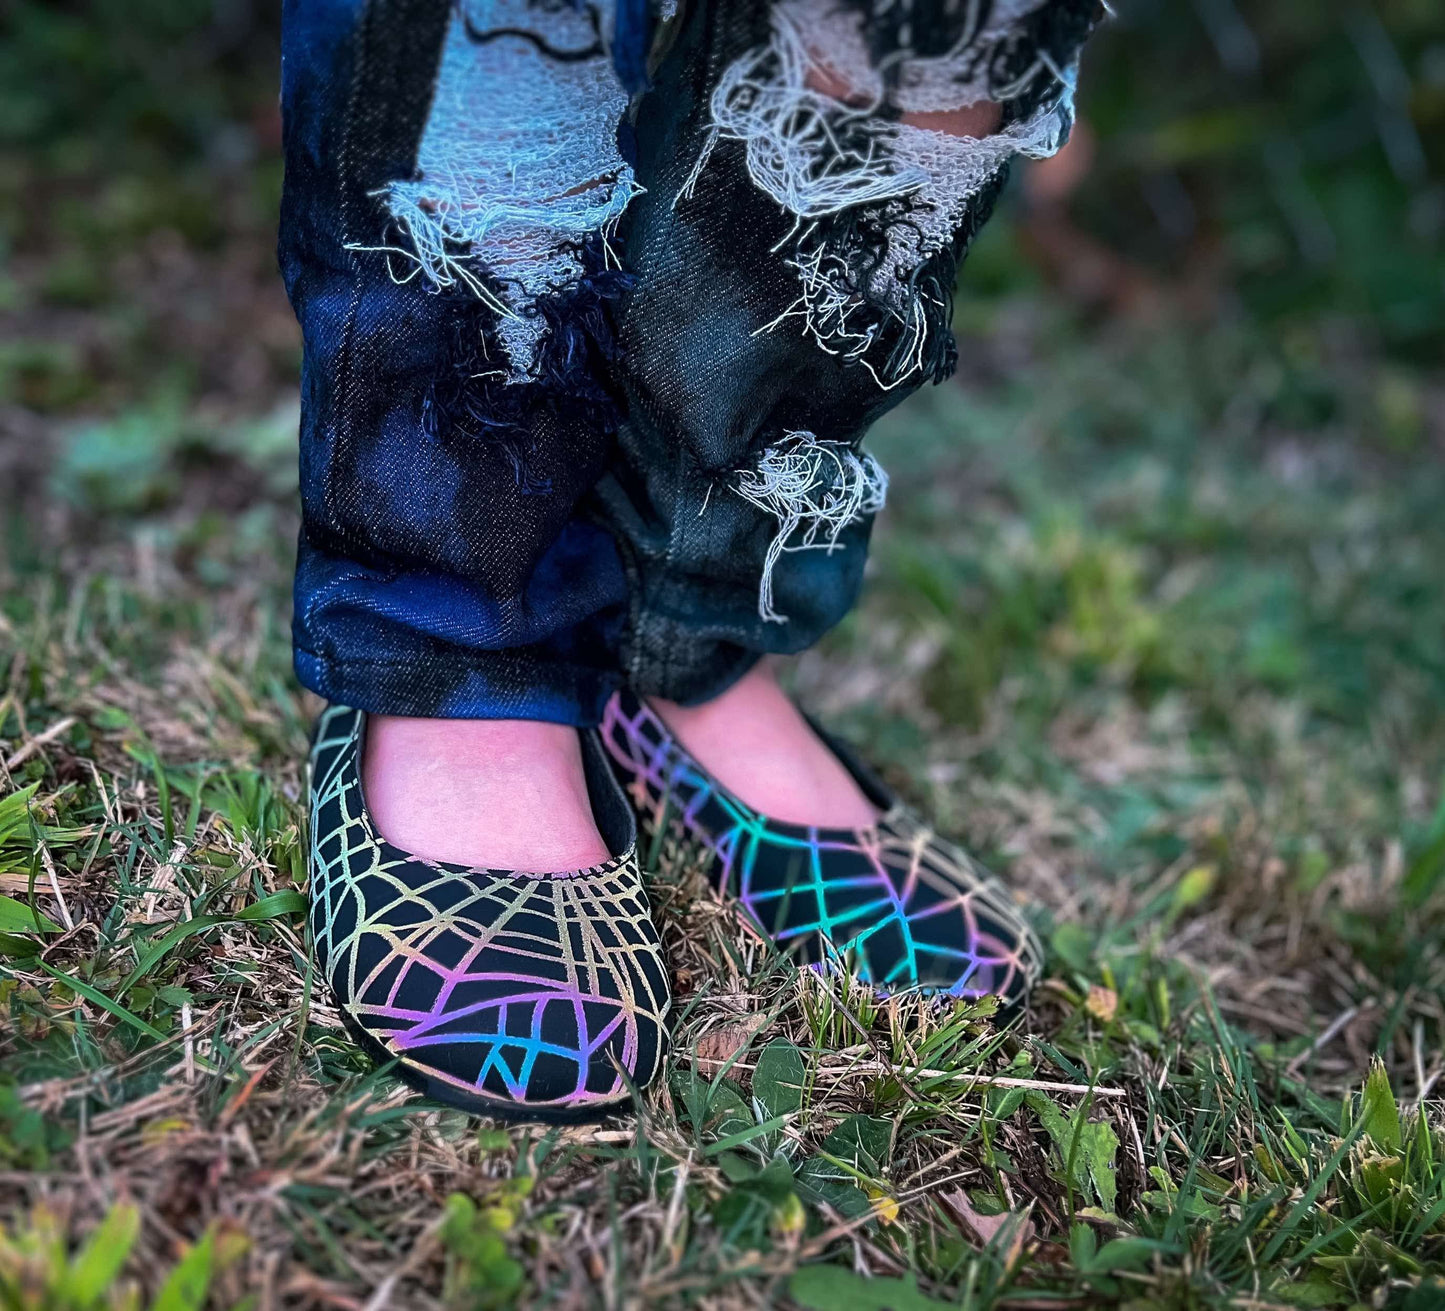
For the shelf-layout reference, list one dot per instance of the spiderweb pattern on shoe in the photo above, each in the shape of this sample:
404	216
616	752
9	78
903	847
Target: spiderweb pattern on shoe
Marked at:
895	904
523	988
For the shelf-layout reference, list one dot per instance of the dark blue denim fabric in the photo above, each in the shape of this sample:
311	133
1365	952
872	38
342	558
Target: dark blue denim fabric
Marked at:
707	386
475	546
431	579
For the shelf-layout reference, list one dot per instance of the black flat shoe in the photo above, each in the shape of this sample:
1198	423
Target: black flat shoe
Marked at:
893	904
529	996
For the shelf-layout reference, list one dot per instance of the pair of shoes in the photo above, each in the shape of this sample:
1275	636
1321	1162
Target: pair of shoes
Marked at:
545	996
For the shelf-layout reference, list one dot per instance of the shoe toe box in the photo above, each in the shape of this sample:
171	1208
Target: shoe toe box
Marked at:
919	916
968	938
529	1047
502	992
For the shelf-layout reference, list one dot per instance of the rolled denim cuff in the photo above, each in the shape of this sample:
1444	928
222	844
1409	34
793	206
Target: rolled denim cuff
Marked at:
427	643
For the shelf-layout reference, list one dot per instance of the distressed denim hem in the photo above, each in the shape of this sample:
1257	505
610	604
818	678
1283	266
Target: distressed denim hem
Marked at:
509	684
692	672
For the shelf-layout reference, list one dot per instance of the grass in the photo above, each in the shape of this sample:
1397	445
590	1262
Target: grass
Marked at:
1154	624
1180	683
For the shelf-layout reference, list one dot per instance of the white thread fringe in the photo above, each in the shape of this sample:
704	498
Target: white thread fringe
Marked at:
795	153
815	487
518	162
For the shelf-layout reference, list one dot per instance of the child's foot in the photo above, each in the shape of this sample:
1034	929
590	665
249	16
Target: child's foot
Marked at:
497	990
895	906
757	744
505	794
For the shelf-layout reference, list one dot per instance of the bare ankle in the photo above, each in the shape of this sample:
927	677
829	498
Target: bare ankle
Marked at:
757	743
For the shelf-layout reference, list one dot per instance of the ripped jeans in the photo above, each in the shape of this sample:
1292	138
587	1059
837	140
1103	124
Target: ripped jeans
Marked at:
598	298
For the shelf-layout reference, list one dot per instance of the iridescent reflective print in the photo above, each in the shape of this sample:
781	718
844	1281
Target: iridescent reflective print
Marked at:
520	991
894	904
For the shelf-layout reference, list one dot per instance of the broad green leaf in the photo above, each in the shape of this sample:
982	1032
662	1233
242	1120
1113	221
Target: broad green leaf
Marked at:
17	917
15	812
775	1180
726	1113
825	1180
1382	1177
861	1141
1192	888
493	1140
779	1078
1318	1291
737	1168
1379	1111
1127	1254
185	1290
1086	1147
15	947
832	1288
1074	945
857	1146
1098	1144
1003	1102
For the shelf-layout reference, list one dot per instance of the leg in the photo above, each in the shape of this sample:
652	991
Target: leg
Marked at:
447	191
814	173
451	170
757	743
806	208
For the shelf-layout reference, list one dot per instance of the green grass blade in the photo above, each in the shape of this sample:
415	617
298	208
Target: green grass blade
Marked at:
17	917
1305	1203
268	908
104	1002
747	1135
94	1270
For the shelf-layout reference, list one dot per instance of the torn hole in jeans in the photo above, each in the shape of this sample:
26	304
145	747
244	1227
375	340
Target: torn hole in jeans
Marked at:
882	208
517	166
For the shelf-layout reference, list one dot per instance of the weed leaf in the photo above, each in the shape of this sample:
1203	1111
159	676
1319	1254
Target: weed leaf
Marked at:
832	1288
100	1260
778	1080
1379	1111
17	917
